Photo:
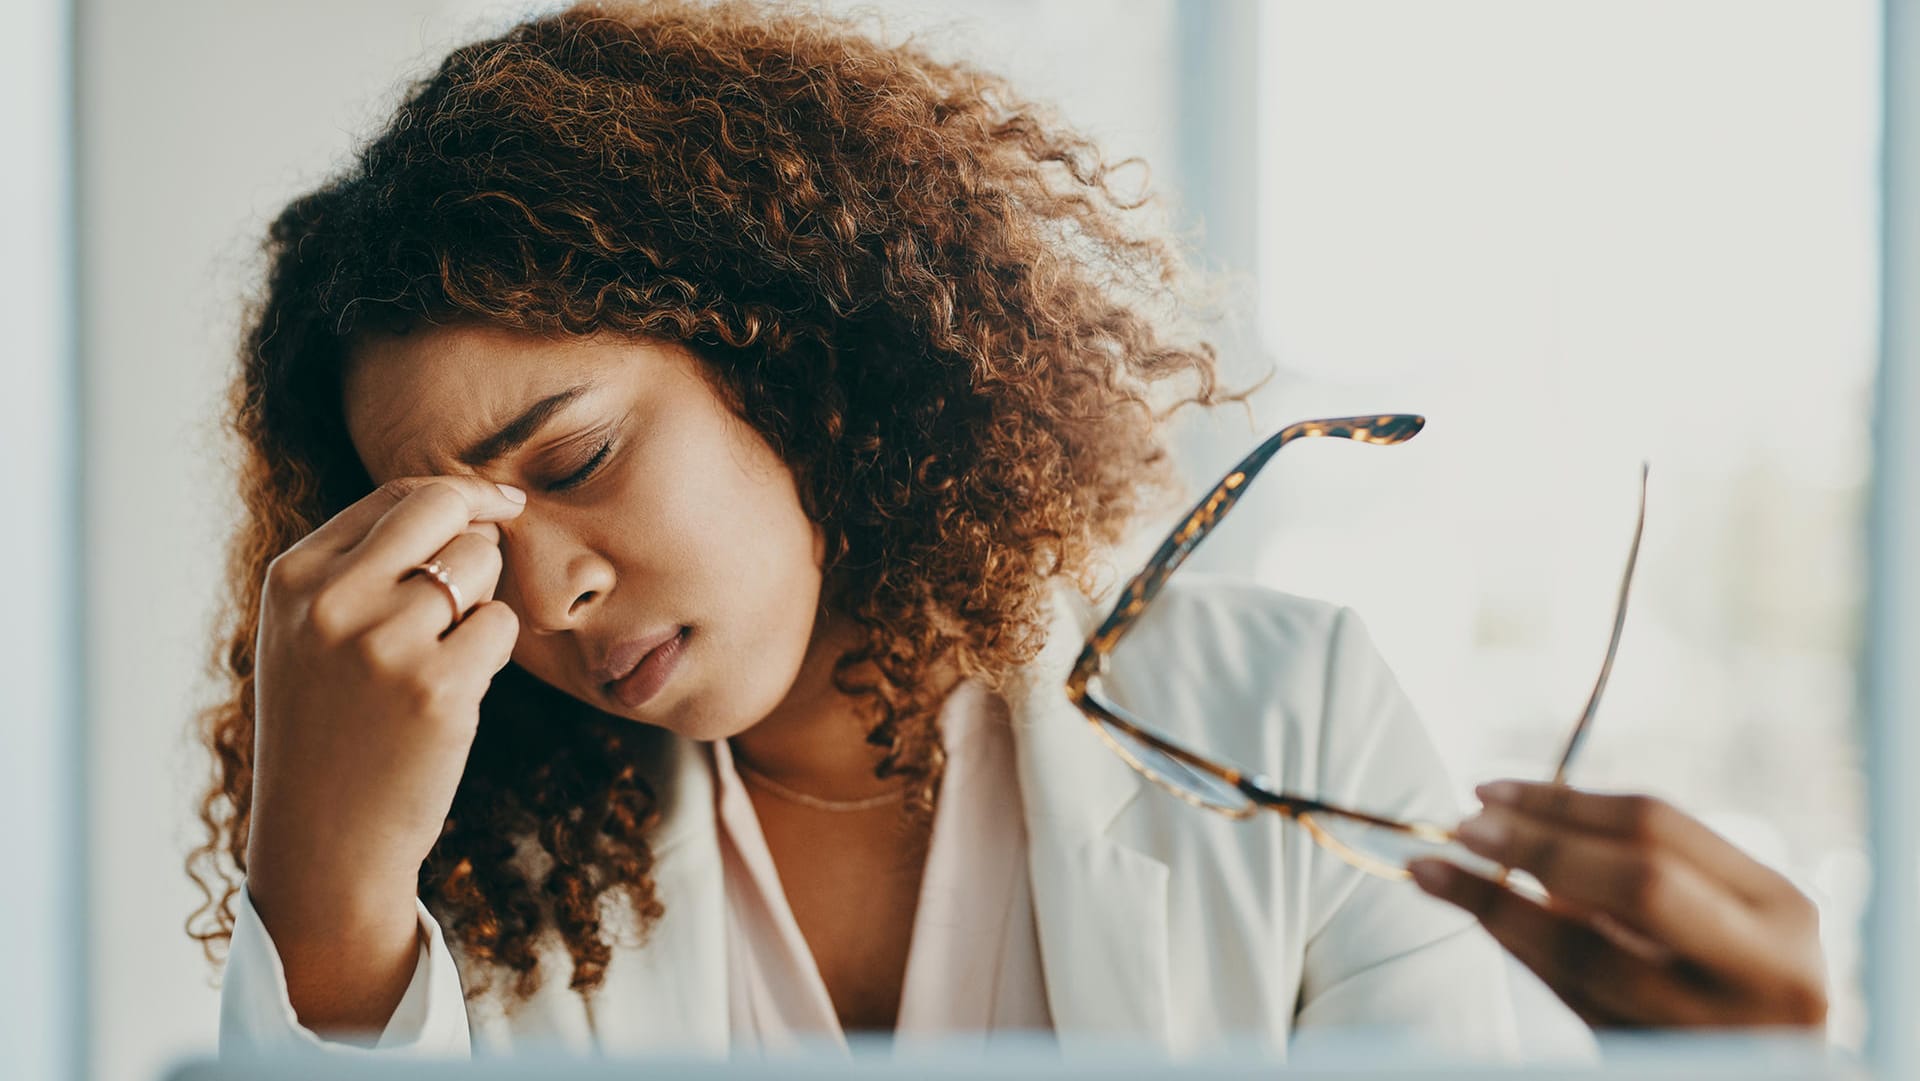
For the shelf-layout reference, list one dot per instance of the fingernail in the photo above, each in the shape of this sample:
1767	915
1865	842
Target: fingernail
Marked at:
1502	792
511	492
1480	832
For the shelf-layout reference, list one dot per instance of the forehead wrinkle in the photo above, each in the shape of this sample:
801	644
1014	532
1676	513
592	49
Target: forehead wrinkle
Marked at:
407	433
527	424
410	451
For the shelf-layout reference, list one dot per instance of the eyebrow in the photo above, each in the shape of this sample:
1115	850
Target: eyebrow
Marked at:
517	431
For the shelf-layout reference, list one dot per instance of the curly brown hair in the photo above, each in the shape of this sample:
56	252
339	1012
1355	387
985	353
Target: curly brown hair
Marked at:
927	294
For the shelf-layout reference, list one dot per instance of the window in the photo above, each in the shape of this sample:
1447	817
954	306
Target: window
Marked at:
1577	235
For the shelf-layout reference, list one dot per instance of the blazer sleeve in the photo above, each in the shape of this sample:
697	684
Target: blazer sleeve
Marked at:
1382	960
257	1016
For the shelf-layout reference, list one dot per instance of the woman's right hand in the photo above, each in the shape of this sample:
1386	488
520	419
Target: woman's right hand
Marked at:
367	696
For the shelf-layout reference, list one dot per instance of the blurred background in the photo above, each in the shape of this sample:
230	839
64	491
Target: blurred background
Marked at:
1576	234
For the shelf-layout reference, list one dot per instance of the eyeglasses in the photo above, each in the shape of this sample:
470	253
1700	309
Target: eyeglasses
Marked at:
1375	844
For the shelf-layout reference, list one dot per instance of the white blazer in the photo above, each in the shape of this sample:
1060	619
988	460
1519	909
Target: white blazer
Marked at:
1157	922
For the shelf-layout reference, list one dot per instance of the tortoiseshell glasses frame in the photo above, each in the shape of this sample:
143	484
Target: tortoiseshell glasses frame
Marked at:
1375	844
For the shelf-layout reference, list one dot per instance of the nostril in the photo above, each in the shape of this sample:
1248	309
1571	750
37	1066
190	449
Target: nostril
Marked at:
581	602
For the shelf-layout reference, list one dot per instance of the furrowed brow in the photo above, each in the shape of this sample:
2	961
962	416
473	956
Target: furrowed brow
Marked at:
515	433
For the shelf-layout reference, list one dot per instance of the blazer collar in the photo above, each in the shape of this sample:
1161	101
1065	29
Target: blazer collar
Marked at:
1072	783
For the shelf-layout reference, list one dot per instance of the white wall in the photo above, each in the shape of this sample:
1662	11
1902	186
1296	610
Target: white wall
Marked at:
199	119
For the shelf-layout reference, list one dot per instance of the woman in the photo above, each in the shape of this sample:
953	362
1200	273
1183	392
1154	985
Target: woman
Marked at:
677	455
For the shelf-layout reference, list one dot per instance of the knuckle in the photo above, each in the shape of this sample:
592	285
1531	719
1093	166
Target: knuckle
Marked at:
331	613
1554	801
1647	818
1516	842
424	691
1797	909
1804	1001
283	573
1538	852
381	651
1806	910
444	700
1643	882
440	495
399	488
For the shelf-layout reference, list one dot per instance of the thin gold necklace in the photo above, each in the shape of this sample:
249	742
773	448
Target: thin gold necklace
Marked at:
837	806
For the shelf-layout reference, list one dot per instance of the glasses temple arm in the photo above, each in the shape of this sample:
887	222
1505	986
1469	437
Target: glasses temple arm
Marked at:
1384	429
1585	723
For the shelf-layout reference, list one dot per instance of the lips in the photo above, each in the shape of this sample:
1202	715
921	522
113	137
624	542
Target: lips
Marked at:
625	656
635	670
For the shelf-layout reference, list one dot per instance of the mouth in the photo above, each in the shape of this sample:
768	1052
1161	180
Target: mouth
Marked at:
637	669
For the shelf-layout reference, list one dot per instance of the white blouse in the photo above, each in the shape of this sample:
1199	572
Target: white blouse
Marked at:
973	962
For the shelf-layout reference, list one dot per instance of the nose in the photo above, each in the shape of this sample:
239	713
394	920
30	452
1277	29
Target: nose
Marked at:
552	580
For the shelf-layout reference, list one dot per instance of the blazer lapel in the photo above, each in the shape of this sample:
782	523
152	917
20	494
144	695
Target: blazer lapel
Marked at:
1100	905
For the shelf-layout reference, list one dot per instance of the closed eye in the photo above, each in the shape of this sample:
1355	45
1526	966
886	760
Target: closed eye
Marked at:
586	470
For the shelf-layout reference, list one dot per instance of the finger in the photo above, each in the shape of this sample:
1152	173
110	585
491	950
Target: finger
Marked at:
1643	819
484	640
488	530
488	501
425	520
1599	980
1647	888
1484	900
421	607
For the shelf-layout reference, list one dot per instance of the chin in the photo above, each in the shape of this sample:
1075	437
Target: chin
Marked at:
694	719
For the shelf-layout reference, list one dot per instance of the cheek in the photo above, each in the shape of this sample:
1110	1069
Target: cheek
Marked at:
704	523
753	537
730	499
759	549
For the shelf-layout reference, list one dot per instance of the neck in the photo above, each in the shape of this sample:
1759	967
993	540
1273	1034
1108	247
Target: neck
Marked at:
815	740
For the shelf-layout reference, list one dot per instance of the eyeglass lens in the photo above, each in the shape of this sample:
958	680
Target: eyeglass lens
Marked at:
1194	784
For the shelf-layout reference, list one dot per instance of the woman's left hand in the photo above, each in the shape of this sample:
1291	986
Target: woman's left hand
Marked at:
1653	920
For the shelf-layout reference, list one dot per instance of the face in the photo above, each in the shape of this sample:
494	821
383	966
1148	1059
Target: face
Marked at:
664	569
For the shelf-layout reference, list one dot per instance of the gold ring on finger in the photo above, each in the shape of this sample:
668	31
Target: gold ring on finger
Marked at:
438	573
